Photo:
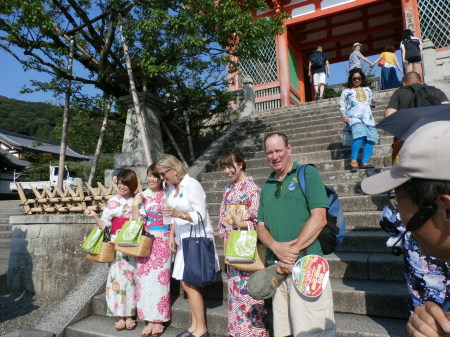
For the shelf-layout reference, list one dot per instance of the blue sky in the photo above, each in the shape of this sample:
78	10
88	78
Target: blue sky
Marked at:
14	78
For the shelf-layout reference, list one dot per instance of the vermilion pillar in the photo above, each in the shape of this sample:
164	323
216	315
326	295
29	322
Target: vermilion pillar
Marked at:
411	21
283	67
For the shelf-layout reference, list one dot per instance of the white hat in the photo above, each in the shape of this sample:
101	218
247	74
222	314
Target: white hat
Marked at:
425	154
356	44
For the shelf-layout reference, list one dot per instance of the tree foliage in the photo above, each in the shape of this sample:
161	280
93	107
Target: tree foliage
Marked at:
189	41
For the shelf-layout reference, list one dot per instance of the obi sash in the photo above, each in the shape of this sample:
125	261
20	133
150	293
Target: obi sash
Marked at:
155	222
117	224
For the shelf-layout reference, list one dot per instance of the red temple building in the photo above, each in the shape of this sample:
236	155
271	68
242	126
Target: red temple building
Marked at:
282	78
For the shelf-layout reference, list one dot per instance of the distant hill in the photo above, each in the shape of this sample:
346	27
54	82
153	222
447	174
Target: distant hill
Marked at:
30	118
43	120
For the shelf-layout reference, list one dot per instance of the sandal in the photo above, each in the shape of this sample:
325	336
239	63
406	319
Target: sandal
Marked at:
366	166
130	324
158	329
120	324
148	330
354	164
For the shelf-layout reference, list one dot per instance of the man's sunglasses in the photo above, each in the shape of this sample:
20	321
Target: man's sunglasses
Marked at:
163	174
424	213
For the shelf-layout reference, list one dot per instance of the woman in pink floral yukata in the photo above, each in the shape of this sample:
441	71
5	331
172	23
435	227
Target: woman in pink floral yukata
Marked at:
120	284
153	273
246	316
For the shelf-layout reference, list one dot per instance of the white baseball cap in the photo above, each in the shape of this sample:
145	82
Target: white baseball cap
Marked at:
425	154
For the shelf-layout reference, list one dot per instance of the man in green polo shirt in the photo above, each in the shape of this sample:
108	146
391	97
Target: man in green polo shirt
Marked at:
288	229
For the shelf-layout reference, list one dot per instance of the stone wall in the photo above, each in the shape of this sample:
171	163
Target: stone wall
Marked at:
46	256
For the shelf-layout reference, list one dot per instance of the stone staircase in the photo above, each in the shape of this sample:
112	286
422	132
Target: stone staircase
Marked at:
7	208
368	284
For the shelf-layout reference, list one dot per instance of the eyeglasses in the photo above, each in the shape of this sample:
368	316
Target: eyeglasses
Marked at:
278	189
356	78
163	174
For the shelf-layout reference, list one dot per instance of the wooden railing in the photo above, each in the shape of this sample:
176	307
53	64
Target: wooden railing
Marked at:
68	200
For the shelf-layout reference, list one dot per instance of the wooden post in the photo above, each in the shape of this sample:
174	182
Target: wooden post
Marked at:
65	125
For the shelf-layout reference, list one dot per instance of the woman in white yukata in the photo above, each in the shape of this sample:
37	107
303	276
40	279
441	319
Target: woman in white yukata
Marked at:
185	198
120	284
153	272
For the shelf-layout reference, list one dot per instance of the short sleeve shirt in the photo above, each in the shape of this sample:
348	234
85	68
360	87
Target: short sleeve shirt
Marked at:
402	97
322	69
355	60
285	212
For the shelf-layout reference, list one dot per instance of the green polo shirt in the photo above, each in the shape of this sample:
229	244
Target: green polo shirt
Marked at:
284	209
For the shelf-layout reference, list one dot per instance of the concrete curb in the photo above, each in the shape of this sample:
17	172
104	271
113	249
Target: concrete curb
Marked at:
77	304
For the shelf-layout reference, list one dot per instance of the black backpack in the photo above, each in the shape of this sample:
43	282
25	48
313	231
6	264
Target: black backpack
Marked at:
412	49
423	95
317	60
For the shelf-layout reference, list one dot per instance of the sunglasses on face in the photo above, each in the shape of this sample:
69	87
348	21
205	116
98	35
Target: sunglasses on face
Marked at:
163	174
278	189
356	78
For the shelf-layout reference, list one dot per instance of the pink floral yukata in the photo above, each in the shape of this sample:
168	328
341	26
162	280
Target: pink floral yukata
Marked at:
120	284
246	316
153	273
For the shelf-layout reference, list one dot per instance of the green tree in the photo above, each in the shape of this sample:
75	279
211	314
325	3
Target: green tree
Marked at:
179	39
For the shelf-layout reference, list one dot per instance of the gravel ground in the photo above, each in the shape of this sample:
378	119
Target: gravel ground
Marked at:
22	310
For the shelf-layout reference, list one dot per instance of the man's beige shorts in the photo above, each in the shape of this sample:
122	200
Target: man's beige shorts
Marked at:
298	315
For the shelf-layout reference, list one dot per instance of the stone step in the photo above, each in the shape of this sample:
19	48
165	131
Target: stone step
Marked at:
5	243
262	173
4	254
328	117
101	326
321	143
331	118
5	234
5	227
355	220
217	314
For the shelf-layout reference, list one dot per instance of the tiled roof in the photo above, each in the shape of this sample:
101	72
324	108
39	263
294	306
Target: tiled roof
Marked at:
19	141
12	160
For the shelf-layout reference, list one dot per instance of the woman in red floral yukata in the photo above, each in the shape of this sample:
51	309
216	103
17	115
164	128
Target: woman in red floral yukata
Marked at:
246	316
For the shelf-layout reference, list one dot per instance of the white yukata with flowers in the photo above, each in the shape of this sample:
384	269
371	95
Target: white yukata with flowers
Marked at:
120	284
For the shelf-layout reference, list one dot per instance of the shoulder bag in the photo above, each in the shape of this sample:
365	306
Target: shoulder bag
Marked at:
199	257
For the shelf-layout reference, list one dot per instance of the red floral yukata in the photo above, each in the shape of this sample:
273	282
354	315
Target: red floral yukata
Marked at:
153	272
246	316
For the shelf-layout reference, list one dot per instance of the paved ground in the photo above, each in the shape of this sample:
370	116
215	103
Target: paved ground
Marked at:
21	310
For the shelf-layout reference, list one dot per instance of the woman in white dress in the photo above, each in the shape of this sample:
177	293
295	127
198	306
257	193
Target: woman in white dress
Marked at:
120	284
153	272
185	198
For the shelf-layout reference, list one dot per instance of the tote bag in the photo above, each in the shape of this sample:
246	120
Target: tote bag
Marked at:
199	257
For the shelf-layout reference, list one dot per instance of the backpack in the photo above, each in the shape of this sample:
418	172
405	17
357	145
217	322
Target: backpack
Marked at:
412	49
424	95
332	235
317	60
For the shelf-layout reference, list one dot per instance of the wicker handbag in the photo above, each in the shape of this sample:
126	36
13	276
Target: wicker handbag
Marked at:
258	264
142	250
106	254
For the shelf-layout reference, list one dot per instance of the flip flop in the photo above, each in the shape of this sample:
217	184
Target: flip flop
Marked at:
158	329
120	324
354	165
366	166
147	331
130	324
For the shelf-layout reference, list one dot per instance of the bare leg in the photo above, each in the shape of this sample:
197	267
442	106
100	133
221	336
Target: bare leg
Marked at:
316	90
322	89
198	326
417	67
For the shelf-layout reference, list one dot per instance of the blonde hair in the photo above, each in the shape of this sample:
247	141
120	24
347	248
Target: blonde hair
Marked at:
169	161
